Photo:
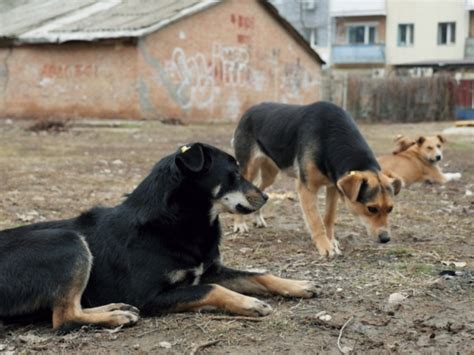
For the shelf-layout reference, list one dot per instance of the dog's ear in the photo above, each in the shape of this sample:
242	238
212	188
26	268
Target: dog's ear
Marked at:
395	181
420	140
441	138
350	185
192	159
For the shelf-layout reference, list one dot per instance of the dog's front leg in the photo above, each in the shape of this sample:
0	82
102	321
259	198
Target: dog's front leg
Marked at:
205	296
259	283
330	216
309	205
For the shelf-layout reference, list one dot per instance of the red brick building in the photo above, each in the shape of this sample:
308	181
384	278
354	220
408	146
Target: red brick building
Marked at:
189	59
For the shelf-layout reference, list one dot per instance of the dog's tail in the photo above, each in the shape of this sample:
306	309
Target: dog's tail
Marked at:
402	143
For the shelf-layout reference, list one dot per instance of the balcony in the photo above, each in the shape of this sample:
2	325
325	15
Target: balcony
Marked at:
469	49
358	54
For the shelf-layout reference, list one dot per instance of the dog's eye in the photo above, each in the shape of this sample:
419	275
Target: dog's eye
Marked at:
390	209
373	210
438	145
429	148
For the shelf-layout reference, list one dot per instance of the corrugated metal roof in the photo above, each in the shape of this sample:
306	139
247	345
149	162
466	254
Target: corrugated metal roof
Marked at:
48	21
57	21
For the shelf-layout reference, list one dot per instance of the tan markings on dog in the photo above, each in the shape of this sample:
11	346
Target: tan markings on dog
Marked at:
308	202
331	207
418	162
269	284
307	193
224	299
369	195
286	287
67	308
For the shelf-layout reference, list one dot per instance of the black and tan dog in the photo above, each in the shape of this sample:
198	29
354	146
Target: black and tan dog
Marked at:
320	145
158	251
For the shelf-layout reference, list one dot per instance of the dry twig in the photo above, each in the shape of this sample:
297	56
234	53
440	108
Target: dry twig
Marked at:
345	349
199	347
250	319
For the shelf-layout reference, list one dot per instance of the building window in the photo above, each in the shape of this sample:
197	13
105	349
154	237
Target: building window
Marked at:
361	34
312	36
446	32
405	35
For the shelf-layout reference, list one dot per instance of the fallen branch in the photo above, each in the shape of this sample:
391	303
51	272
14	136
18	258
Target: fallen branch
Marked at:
346	349
199	347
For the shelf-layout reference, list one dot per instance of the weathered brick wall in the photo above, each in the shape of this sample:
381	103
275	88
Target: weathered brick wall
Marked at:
217	63
68	81
207	67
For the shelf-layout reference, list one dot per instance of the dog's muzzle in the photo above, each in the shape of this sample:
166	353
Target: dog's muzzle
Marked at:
384	237
243	210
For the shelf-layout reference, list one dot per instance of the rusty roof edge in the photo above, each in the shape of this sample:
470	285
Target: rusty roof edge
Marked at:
114	34
289	27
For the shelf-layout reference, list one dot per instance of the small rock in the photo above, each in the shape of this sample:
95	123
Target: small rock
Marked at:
117	162
458	264
325	317
468	193
164	345
136	346
9	121
3	347
396	298
245	250
339	289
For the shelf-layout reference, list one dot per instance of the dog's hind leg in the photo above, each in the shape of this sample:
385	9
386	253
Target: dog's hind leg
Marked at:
250	171
268	174
258	283
201	297
330	216
67	309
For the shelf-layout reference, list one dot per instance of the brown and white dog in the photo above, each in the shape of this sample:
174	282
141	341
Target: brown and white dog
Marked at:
417	160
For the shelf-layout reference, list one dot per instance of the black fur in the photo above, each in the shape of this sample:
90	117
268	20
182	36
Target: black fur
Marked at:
286	133
164	225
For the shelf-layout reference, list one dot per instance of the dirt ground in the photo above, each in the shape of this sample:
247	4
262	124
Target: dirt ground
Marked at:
46	176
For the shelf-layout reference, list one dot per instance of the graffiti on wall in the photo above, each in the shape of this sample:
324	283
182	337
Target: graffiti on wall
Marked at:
223	77
56	70
197	77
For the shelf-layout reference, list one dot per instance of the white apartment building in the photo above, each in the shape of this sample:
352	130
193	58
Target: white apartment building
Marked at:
422	31
377	33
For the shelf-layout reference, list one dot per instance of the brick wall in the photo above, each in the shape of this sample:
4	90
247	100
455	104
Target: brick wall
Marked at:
207	67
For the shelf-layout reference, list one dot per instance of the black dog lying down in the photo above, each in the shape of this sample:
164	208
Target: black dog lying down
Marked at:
158	251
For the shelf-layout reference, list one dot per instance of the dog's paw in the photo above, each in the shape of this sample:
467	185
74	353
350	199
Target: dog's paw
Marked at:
325	247
255	308
122	318
301	288
260	221
335	245
241	227
123	307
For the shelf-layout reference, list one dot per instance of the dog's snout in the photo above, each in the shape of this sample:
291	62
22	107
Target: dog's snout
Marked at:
384	237
438	157
265	196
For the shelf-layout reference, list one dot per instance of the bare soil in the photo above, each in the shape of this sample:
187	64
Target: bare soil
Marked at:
55	174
